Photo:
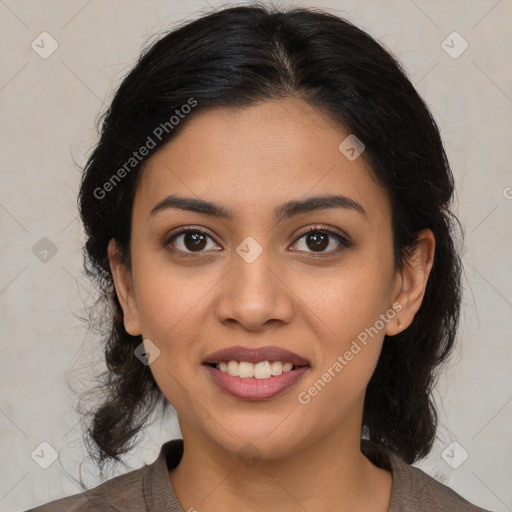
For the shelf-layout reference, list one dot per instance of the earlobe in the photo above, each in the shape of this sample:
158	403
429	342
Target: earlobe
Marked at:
413	282
124	289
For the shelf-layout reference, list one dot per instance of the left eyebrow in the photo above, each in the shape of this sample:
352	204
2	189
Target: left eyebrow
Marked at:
281	212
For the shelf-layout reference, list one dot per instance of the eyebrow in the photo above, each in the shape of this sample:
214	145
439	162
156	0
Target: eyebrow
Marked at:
282	212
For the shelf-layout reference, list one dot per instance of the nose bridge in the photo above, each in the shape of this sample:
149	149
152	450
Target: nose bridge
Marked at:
253	293
252	277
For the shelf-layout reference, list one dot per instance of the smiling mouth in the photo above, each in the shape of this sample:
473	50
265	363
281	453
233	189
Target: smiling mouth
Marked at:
256	381
260	370
255	373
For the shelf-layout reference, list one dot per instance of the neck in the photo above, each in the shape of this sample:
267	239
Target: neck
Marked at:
210	479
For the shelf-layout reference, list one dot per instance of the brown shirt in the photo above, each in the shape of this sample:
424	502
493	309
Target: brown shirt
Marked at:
149	488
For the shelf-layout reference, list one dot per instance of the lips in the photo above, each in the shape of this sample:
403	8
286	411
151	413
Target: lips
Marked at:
255	355
254	388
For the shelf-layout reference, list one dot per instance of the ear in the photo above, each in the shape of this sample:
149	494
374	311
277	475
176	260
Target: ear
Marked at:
412	282
124	288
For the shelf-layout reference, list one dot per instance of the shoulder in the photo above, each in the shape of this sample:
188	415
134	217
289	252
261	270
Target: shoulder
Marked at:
415	490
147	488
124	492
412	488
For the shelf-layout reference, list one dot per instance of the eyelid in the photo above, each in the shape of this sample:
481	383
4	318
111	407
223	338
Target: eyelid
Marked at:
324	228
184	229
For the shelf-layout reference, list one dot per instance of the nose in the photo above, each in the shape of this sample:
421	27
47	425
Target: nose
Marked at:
255	294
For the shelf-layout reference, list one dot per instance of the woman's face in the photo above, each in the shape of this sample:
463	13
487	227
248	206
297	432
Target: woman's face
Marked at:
256	279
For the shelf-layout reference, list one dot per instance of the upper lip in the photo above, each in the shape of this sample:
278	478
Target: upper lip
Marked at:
255	355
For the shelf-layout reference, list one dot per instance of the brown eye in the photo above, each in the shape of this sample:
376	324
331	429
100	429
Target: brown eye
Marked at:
194	241
317	240
189	241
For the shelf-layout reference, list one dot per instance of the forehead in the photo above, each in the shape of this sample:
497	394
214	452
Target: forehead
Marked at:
257	157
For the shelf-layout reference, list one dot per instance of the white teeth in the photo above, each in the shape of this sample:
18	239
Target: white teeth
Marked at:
245	370
233	368
261	370
277	367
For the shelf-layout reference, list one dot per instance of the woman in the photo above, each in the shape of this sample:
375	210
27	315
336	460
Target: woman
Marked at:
267	213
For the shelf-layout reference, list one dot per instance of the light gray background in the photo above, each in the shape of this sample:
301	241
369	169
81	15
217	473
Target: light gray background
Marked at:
48	109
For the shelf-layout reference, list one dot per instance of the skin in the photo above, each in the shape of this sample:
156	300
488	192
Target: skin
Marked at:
251	160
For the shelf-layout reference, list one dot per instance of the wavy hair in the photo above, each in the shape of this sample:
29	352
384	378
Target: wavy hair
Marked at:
234	57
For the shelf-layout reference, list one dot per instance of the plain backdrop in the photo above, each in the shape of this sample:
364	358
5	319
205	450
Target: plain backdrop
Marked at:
49	105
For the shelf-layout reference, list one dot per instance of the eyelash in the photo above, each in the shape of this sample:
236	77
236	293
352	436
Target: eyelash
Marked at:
341	239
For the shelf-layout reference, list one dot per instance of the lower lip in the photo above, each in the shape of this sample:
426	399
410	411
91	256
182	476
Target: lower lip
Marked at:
255	389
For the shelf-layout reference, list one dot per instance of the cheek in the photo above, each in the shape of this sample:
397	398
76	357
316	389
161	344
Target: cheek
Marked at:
347	359
346	300
351	308
169	299
171	309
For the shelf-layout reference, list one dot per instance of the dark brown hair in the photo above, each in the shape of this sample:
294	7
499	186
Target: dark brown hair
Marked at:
234	57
